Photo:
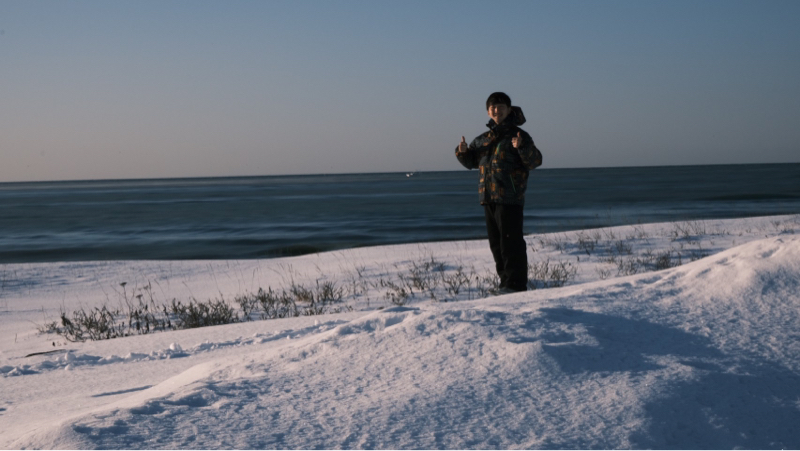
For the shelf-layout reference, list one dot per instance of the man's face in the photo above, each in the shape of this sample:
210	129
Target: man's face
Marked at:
498	112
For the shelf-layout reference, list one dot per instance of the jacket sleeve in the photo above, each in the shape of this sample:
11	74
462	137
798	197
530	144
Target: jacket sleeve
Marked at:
472	157
530	155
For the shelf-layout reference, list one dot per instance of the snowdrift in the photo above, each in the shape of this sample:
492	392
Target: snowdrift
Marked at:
704	355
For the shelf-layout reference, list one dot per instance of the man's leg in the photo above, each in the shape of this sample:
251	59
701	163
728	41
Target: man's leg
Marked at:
512	246
495	244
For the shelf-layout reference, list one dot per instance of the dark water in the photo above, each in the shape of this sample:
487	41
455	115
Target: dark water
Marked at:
258	217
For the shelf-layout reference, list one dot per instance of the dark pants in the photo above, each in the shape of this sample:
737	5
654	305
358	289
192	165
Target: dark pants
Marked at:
504	224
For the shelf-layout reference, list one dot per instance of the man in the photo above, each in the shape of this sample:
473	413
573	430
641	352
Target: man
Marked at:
505	155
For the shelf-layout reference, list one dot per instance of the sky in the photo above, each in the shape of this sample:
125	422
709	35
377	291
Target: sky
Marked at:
153	89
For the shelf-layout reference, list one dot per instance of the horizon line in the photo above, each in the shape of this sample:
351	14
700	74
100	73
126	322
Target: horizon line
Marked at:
317	174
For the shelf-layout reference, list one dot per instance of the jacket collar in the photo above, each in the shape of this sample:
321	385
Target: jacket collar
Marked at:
514	119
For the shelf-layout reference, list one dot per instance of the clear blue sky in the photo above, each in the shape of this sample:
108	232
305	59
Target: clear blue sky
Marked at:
141	89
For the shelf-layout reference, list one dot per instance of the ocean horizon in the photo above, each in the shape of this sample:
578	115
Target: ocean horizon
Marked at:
217	177
247	217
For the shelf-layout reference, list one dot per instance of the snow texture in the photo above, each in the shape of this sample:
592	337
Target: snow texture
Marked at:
701	355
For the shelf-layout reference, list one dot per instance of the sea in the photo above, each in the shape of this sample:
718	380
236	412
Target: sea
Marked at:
273	216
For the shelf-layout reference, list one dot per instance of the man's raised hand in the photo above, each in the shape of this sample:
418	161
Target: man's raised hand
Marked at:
462	146
516	142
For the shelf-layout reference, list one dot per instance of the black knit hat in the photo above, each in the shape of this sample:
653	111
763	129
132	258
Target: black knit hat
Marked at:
497	98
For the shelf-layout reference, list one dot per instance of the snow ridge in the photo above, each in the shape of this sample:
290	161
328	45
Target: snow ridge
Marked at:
70	360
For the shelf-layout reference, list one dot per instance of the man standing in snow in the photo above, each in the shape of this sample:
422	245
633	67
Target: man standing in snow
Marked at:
505	155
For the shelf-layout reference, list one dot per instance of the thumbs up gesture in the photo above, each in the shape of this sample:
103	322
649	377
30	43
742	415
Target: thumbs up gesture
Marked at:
462	146
516	142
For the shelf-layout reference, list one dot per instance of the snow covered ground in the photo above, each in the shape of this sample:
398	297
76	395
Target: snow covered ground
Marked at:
702	354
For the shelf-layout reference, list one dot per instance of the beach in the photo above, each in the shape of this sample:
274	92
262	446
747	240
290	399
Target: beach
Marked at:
665	335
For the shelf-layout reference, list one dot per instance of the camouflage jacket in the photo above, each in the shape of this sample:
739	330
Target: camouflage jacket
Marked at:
504	169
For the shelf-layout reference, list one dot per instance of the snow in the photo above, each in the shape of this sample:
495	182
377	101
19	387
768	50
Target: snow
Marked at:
701	355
